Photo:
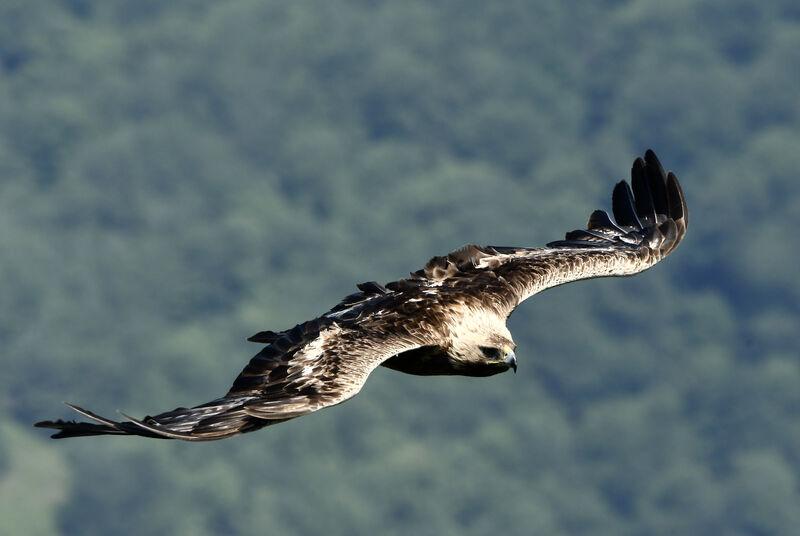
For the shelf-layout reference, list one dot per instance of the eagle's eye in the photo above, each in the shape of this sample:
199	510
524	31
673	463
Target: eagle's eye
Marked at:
491	352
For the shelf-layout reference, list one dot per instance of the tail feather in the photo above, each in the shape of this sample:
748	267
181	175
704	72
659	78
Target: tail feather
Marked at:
218	419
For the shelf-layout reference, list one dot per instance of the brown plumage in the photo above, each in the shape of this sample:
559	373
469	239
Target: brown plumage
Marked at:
448	318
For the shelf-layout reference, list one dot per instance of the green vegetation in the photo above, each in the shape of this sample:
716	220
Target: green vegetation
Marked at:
175	176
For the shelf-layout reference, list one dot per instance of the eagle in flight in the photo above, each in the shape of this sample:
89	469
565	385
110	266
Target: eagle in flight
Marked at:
447	318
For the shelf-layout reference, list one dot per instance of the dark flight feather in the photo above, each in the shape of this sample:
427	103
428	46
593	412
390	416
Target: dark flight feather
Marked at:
645	208
623	206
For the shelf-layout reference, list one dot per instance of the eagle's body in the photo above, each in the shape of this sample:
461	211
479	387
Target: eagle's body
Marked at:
448	318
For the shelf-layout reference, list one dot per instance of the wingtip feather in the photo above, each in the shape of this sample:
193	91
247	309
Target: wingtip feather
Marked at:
159	430
623	207
651	209
678	210
642	193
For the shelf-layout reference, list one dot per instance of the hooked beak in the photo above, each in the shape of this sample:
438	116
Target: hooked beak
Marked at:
511	360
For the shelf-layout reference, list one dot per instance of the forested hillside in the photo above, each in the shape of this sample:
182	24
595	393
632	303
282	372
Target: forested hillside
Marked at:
176	176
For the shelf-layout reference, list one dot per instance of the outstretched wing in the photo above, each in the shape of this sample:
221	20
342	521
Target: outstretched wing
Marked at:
651	220
311	366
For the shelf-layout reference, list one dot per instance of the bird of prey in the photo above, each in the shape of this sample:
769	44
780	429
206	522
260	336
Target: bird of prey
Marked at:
447	318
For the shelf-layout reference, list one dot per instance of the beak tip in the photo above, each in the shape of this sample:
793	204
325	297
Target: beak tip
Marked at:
512	362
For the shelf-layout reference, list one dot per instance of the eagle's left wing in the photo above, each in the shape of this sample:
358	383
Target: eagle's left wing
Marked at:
651	220
316	364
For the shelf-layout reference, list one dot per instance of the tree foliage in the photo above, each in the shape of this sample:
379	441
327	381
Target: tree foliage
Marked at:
175	176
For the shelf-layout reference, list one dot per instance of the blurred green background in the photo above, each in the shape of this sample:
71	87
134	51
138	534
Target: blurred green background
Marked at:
175	176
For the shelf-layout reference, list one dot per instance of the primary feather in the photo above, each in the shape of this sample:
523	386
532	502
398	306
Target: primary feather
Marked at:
447	318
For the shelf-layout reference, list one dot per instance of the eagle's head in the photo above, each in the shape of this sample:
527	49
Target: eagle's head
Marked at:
478	344
487	357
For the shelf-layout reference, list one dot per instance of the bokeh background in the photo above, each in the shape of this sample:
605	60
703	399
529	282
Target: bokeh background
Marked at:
175	176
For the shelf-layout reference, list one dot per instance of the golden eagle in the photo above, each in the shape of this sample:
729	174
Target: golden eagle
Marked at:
448	318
